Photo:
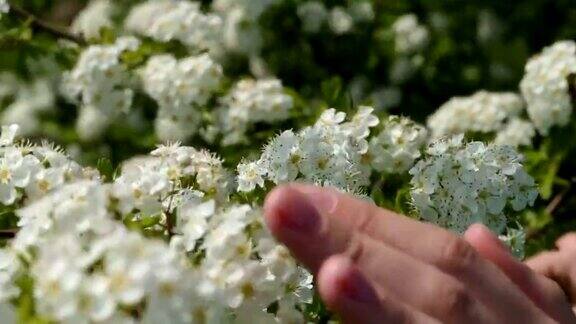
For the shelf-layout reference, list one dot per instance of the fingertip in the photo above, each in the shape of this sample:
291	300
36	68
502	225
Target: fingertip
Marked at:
272	202
288	212
342	286
477	231
482	239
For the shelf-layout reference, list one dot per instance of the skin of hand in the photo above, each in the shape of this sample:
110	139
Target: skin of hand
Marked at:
374	266
559	265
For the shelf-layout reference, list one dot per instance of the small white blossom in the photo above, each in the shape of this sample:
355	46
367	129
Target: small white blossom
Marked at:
515	239
250	175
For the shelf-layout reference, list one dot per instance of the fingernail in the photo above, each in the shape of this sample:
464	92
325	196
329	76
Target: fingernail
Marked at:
299	215
487	233
356	287
324	199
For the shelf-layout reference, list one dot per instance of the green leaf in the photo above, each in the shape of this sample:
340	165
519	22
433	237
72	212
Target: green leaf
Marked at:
106	168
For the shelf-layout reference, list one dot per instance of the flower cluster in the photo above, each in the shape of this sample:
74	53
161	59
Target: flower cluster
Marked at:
329	153
340	20
243	268
546	86
89	268
483	112
517	132
28	172
182	21
98	83
180	87
409	35
146	185
4	7
96	16
241	32
398	145
249	102
457	184
30	101
220	263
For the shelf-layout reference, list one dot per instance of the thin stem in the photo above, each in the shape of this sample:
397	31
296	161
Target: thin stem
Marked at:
40	25
553	205
170	215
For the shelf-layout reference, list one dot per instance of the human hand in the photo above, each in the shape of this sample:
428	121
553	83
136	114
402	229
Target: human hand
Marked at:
559	265
374	266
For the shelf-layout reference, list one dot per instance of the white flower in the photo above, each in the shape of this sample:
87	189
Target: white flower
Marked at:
98	83
4	7
249	102
455	185
193	217
92	19
398	145
10	267
329	153
515	239
250	175
516	133
31	101
142	188
183	21
241	31
340	21
16	170
8	134
180	87
313	14
483	112
361	11
410	36
545	85
252	8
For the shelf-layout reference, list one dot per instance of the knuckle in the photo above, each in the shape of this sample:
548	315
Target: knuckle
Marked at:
356	248
392	312
456	255
456	303
366	222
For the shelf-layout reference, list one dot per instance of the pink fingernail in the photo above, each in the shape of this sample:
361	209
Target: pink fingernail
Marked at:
324	199
300	216
356	287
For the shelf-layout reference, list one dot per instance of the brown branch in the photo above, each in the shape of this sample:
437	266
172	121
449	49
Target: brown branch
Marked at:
550	209
40	25
556	201
8	233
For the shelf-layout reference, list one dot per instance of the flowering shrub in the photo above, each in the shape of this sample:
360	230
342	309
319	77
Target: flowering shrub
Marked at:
140	139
